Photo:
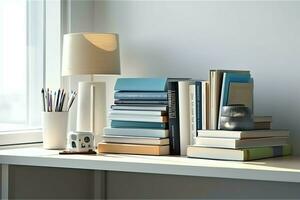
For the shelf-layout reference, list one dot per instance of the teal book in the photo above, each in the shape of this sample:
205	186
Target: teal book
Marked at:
133	124
141	84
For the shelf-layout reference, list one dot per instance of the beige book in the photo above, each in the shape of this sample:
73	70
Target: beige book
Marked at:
241	93
133	149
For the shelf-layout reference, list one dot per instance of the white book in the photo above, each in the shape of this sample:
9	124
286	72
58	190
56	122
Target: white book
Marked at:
138	112
192	106
204	104
140	107
184	127
238	144
243	134
137	132
138	118
135	140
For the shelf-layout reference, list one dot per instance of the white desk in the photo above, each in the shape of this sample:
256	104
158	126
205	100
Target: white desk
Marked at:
283	169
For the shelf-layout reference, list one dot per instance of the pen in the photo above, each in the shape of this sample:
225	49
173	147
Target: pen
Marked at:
57	100
43	99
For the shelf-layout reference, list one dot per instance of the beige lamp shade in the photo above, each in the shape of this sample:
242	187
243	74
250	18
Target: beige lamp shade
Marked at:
90	53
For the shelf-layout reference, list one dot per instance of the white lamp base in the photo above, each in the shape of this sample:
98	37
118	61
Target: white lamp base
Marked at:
91	108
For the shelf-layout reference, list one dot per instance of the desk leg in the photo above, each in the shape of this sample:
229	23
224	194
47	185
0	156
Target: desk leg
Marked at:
4	181
100	184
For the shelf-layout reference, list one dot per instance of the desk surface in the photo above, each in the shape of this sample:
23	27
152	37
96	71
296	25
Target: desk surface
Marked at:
284	169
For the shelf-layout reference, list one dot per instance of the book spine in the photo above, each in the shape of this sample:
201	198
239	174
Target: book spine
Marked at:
142	102
184	129
134	124
141	84
173	118
267	152
141	95
193	130
198	105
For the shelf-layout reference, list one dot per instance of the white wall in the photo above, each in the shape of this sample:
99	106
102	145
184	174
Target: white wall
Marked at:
187	38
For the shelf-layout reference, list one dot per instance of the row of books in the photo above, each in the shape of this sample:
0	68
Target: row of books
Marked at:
159	116
139	118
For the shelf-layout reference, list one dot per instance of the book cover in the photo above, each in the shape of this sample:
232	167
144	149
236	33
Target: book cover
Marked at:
243	134
138	132
241	93
141	84
135	140
133	149
135	124
238	154
238	144
205	105
141	95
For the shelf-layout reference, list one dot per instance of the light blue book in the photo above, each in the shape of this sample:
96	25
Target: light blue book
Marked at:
134	124
141	84
231	77
137	132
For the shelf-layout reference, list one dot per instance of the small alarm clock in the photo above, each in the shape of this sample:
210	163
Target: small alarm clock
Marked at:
81	141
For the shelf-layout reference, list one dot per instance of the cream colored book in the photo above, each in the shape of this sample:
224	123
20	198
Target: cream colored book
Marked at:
243	134
133	149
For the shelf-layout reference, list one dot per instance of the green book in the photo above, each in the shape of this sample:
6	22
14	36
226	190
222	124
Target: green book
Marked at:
238	154
134	124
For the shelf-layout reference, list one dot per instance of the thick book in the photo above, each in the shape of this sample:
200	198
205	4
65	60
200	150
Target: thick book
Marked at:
262	119
140	107
133	149
184	127
135	140
243	134
135	124
141	95
137	132
215	84
138	112
238	154
142	102
173	117
138	118
239	144
141	84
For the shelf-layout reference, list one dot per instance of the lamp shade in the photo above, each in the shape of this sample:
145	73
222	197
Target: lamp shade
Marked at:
90	53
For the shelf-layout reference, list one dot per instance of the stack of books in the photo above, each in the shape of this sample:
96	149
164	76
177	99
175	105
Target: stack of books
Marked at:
240	145
139	118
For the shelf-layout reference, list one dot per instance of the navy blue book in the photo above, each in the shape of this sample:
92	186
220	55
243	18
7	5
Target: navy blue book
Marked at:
141	84
133	124
141	95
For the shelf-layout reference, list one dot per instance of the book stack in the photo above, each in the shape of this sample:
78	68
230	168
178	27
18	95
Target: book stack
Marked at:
240	145
139	118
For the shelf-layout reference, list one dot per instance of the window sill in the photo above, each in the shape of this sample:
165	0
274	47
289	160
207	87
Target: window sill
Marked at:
20	137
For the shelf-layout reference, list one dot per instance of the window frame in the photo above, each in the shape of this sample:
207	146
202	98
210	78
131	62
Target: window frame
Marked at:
51	67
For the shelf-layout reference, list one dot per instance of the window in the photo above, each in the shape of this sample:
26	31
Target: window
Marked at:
21	63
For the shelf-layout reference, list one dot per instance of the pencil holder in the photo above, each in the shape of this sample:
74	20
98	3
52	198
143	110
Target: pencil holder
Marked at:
55	126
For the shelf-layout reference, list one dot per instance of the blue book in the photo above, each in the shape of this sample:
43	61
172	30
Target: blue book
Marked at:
141	84
141	95
134	124
231	77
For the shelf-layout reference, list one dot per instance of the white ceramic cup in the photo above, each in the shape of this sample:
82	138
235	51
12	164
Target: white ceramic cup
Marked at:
55	125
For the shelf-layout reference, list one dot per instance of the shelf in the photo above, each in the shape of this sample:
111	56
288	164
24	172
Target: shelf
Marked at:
283	169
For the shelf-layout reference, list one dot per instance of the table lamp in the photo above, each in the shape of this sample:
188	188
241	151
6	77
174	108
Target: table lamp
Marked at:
91	53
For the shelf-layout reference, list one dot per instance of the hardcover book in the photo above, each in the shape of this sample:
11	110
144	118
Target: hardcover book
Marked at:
135	124
135	140
133	149
141	84
141	95
137	132
243	134
238	154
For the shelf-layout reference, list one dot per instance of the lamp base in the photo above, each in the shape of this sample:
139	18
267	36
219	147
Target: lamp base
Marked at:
91	108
